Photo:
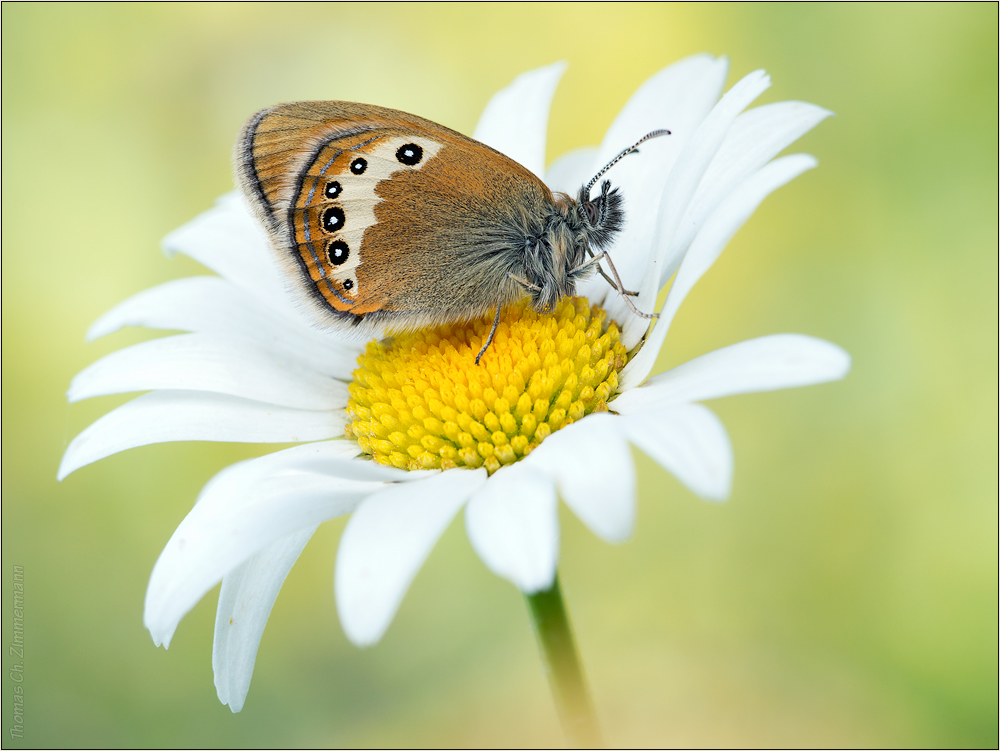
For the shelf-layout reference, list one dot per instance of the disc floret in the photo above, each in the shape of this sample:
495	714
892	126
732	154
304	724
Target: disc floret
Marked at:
419	401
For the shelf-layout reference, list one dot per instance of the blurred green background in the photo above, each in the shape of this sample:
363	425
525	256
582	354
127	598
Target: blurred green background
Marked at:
845	596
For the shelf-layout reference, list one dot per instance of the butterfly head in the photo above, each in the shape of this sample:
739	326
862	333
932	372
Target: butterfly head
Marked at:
604	216
562	254
577	241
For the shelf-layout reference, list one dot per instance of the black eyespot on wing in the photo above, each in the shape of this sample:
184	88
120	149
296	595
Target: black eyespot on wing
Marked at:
333	189
348	284
337	252
333	219
359	165
409	154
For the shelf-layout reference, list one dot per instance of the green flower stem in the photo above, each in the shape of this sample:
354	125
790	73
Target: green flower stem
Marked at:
562	664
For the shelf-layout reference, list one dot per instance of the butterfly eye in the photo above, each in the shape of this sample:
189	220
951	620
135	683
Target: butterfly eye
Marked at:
333	219
591	208
337	252
410	154
333	189
358	166
348	284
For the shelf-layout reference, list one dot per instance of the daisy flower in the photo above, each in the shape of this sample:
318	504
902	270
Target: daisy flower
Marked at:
403	434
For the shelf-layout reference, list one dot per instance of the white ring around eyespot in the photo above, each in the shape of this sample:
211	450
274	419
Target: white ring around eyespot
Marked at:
359	199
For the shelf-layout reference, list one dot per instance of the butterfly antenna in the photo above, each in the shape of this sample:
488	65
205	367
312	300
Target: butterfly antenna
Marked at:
629	150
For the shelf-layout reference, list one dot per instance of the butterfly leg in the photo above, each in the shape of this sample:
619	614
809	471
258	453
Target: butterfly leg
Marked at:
607	278
617	284
593	261
524	282
489	339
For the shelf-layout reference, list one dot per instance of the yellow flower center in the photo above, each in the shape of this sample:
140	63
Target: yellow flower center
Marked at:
420	401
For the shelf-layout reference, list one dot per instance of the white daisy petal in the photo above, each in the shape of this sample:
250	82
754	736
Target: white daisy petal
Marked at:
386	542
724	222
516	120
756	137
780	361
513	525
163	416
213	305
571	171
215	538
243	509
677	98
191	304
679	190
688	441
593	469
245	601
694	161
207	362
335	458
230	242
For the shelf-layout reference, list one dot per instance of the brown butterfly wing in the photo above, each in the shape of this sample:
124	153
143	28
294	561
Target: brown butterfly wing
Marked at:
387	215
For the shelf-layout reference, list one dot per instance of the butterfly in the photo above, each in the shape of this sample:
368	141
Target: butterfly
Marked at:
382	219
